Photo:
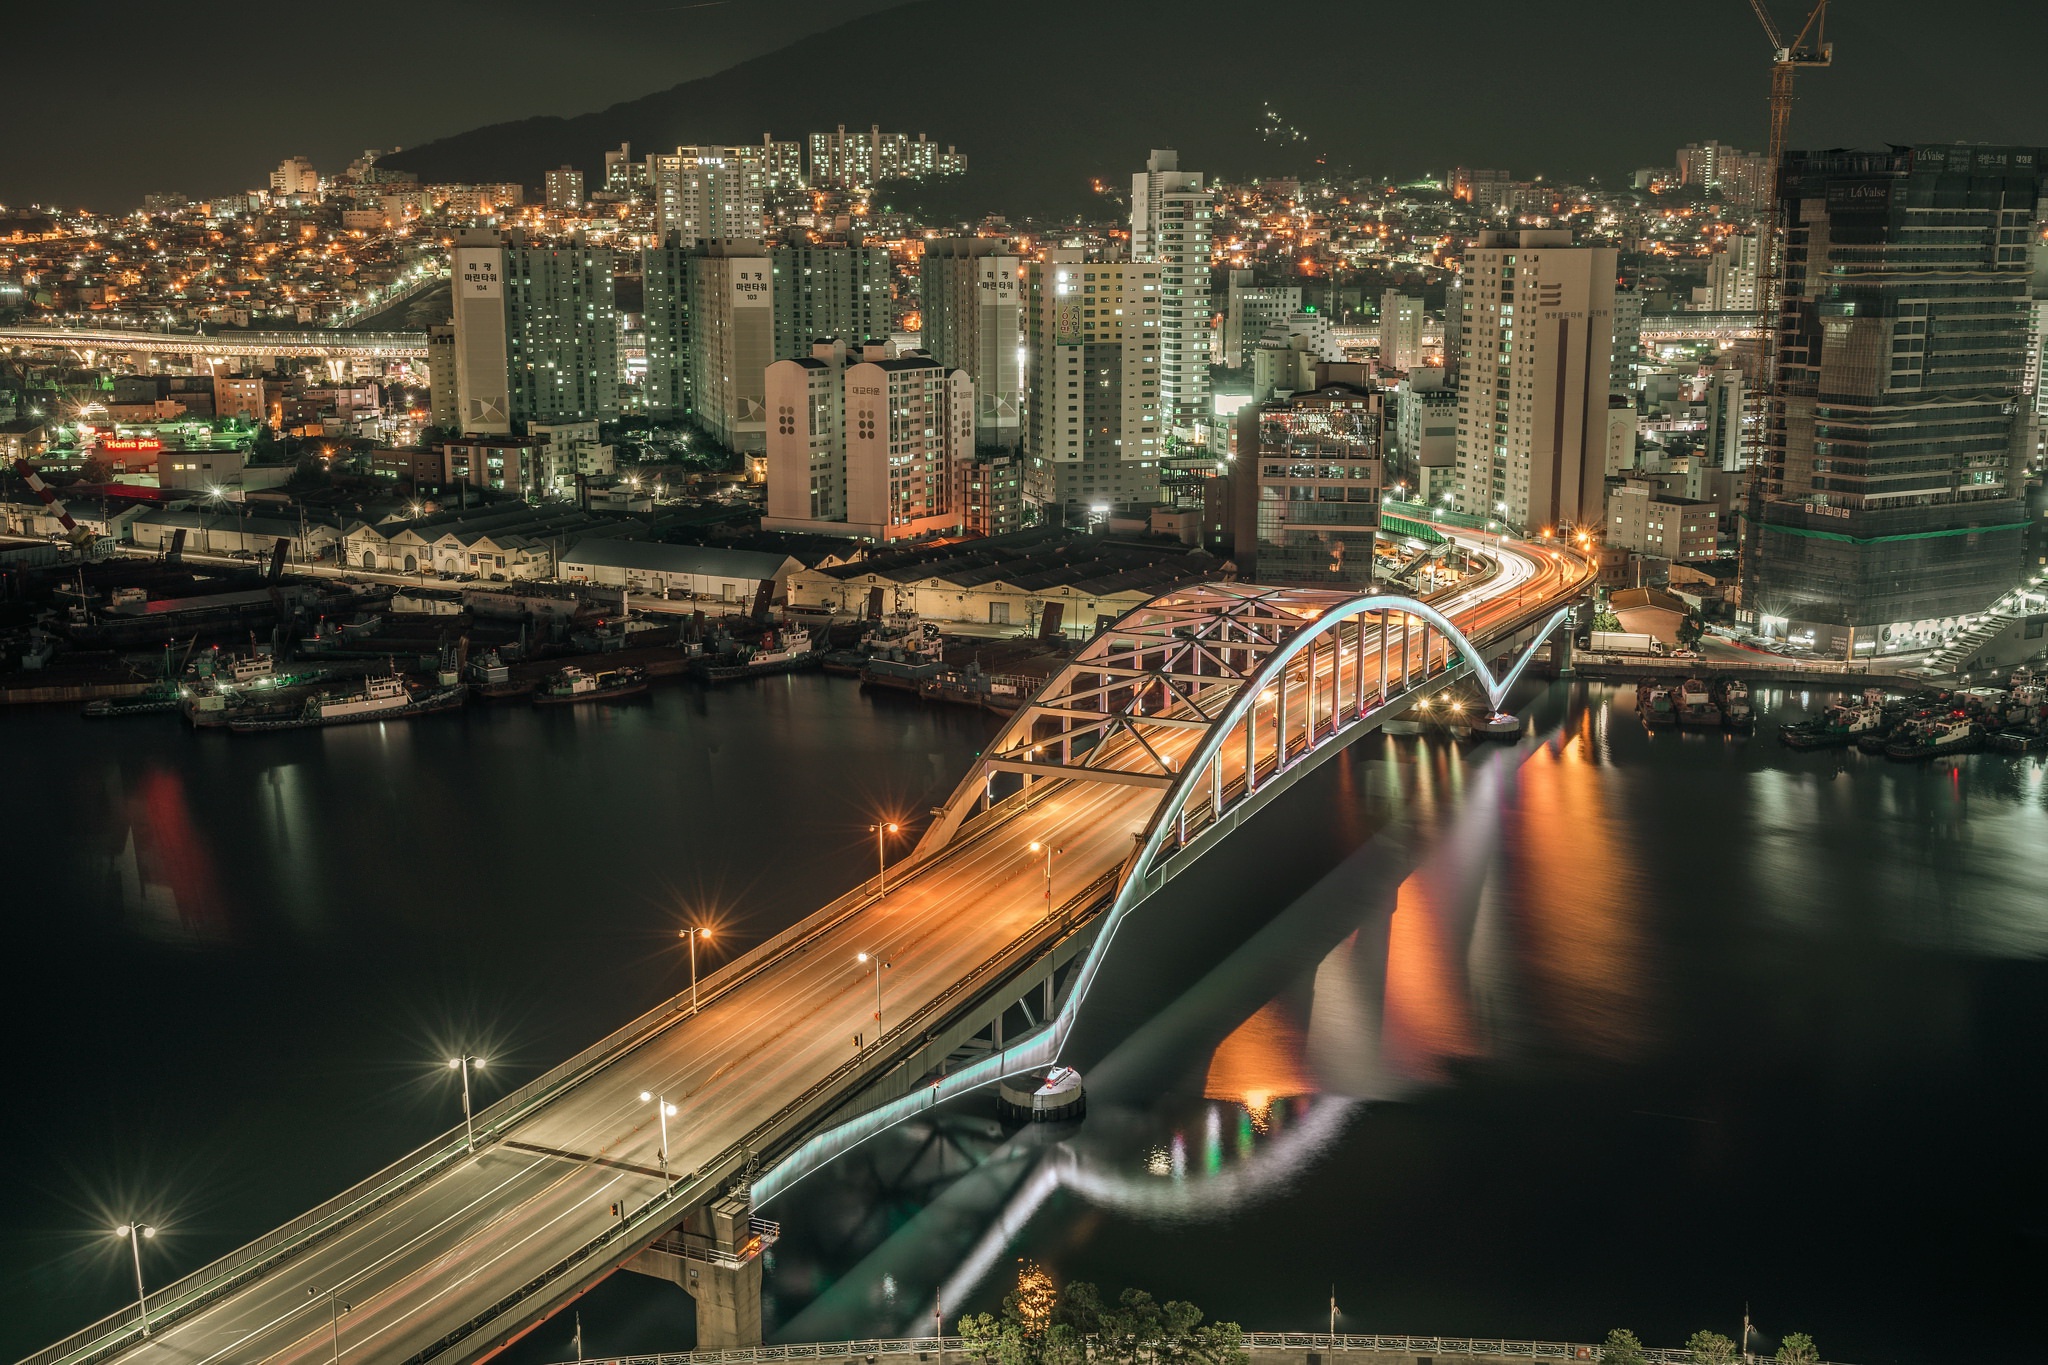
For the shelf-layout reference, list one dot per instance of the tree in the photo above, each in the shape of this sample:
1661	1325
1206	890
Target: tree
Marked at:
1710	1348
1042	1325
1622	1348
1690	630
1798	1349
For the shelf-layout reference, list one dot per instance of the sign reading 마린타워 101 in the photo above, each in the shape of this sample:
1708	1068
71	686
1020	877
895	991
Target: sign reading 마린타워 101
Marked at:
479	273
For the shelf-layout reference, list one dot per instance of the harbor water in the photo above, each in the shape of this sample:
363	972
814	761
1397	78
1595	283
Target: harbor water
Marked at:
1604	1028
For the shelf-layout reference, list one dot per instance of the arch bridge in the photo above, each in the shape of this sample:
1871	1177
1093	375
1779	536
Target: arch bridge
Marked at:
1205	704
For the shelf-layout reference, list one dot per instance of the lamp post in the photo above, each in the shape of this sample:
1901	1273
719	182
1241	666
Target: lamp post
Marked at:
882	832
875	960
665	1109
466	1064
693	933
136	1233
1048	850
335	1309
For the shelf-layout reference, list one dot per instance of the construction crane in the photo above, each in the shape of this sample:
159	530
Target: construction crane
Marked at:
1809	48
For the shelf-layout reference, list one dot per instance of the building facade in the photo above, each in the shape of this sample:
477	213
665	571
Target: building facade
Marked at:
973	320
1248	310
1401	319
826	292
705	194
1306	487
732	341
1890	496
564	186
1170	213
1537	345
1092	425
536	332
865	442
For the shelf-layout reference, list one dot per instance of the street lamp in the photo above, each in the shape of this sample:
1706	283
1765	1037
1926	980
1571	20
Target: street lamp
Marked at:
874	959
665	1109
1048	850
135	1233
693	933
334	1311
466	1064
882	831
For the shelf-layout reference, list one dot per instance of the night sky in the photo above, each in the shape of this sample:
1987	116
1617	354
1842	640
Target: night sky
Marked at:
206	97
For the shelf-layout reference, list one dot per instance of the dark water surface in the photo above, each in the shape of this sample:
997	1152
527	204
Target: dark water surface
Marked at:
1605	1028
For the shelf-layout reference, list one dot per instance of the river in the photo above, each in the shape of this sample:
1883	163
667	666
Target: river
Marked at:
1607	1028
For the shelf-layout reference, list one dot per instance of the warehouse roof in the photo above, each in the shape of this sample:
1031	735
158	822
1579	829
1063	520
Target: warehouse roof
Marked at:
710	561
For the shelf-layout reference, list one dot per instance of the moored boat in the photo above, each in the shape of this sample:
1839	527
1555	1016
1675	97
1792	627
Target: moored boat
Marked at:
1732	696
573	684
1934	736
385	698
782	651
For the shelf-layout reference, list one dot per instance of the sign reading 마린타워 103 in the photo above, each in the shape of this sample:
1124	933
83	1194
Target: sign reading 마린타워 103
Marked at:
479	272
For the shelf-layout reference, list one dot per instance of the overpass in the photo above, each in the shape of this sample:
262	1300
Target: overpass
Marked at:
1170	729
309	345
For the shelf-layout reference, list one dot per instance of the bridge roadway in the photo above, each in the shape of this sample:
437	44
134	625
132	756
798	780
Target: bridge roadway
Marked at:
451	1246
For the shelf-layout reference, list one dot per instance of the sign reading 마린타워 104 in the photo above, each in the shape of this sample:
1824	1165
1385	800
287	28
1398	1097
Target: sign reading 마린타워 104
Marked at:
479	272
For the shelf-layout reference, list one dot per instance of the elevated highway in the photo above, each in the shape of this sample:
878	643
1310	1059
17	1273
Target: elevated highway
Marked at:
1162	736
308	345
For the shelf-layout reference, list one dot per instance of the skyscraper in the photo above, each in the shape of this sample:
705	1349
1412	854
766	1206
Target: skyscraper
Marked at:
1092	428
1170	214
1537	357
1889	498
1248	310
868	442
972	295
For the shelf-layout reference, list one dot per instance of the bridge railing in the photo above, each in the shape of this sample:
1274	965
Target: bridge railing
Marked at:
955	1348
237	1267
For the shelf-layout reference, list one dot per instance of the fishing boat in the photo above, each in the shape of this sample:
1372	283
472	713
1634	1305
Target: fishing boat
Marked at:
1840	725
1696	709
158	697
1657	706
1934	736
781	651
385	698
491	679
1732	696
573	684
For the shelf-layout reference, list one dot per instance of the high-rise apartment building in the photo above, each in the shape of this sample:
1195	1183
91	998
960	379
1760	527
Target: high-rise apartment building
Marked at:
857	161
1401	319
621	173
1720	170
867	442
296	176
731	305
1486	189
1731	276
1249	310
1092	423
973	319
1305	490
1170	212
665	328
705	194
1628	342
444	395
565	190
1889	497
826	292
1537	356
1724	403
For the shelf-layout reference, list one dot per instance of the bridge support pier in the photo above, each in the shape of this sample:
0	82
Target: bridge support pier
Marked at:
715	1256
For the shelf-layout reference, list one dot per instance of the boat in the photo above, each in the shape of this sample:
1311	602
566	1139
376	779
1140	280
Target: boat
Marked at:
781	651
491	679
846	663
1696	709
573	684
1838	726
900	675
385	698
2020	739
157	698
1656	705
1732	695
1934	736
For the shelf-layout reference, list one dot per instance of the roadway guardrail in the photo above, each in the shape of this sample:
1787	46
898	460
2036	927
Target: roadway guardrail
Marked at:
928	1348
